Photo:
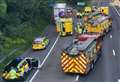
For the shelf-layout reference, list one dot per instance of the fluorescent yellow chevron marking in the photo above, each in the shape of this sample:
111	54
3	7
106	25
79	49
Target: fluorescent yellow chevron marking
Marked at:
65	62
64	58
63	54
81	71
76	71
70	67
71	70
83	60
79	65
83	56
66	66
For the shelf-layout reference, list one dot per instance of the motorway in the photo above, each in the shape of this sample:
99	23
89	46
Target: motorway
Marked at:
107	68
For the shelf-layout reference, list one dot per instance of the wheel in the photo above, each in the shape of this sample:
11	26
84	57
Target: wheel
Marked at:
110	28
96	59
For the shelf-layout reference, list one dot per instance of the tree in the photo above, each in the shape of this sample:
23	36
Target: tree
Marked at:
3	8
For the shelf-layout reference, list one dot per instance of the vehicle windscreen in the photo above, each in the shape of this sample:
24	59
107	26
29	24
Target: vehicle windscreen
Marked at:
72	50
13	64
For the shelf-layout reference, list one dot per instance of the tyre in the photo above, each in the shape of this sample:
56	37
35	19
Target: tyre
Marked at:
23	78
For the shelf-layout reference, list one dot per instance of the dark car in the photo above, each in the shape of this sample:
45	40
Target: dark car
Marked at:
19	68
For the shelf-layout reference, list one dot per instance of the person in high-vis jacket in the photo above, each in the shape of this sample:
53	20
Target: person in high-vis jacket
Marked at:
80	23
21	71
12	74
79	28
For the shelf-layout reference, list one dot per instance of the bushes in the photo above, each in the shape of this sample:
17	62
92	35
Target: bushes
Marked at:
3	8
20	22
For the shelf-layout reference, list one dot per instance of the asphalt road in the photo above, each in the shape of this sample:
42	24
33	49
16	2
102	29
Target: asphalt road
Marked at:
107	68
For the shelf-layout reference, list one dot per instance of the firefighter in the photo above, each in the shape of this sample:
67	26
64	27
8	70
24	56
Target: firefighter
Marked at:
80	23
79	29
26	67
62	29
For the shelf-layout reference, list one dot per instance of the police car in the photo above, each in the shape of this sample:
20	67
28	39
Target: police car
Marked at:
19	68
40	43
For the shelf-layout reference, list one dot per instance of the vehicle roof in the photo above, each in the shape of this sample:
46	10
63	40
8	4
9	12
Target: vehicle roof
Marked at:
93	14
16	63
99	19
82	45
84	40
39	39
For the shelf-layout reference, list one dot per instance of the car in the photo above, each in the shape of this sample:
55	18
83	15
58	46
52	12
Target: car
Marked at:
19	68
40	43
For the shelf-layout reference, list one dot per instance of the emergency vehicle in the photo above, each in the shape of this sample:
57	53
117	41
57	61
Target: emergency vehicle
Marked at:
81	55
65	26
40	43
19	68
99	23
57	8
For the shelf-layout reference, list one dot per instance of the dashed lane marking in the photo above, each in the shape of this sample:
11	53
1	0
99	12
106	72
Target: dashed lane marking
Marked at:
77	78
118	80
110	36
114	52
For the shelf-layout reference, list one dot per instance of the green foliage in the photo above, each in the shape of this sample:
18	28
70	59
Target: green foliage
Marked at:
3	8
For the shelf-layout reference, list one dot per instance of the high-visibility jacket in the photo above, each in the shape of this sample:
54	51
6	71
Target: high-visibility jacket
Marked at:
12	74
21	71
79	29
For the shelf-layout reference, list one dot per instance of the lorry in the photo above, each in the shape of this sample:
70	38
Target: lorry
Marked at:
99	23
81	55
58	7
64	26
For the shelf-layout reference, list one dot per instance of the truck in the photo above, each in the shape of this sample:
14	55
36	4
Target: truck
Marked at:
99	23
64	26
58	7
81	55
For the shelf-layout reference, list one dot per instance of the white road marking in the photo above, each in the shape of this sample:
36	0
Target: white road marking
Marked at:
34	76
77	78
118	80
114	52
116	10
110	36
40	65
